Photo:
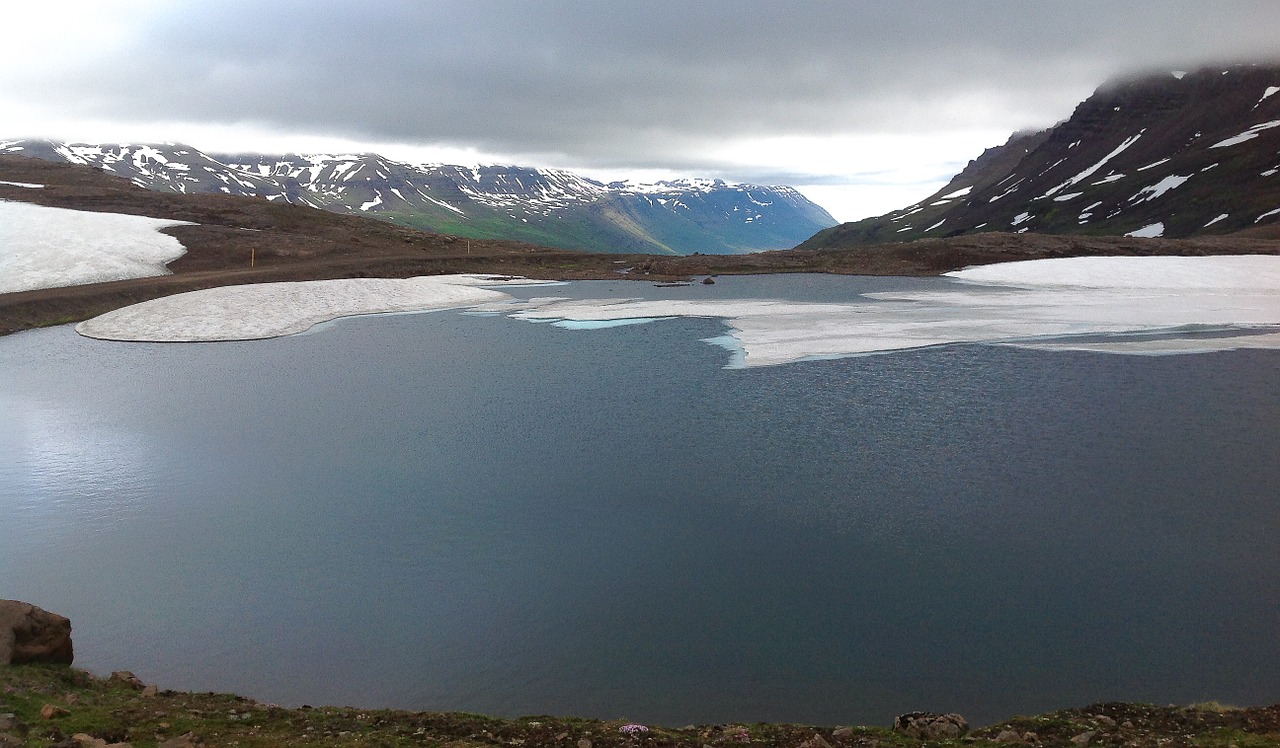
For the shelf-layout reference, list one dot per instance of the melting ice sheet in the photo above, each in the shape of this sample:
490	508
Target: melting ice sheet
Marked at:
1142	305
1147	305
44	247
269	310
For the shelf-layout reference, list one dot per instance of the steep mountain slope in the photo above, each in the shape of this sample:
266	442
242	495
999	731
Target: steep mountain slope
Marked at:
542	206
1174	155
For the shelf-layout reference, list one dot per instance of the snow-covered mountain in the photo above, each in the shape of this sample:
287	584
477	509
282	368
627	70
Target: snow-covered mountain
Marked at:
1174	154
542	206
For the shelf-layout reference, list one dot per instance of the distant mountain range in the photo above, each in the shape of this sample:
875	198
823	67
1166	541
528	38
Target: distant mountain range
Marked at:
1174	155
539	206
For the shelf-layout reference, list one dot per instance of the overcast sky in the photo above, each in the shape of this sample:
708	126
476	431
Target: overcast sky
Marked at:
866	105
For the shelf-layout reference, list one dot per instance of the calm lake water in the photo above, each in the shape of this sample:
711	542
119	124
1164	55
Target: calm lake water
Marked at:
448	511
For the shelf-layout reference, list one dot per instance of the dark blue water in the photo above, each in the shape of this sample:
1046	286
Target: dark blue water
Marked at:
442	511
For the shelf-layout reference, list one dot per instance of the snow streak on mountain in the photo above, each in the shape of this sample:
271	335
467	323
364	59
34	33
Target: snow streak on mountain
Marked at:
1175	154
541	206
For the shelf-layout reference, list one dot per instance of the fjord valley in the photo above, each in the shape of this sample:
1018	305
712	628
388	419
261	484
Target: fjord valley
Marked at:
235	239
391	436
1172	154
540	206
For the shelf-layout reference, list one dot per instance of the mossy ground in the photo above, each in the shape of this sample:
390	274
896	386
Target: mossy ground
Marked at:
117	712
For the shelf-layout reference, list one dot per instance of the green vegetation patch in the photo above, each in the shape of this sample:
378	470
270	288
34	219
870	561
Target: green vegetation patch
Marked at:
50	705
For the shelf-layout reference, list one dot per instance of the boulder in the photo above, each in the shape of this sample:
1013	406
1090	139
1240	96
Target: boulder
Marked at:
53	711
31	634
930	726
128	679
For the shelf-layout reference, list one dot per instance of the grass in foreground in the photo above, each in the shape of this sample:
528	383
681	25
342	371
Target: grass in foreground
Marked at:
77	704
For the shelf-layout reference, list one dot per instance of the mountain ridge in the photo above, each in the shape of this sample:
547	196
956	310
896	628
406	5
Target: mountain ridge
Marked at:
551	207
1174	154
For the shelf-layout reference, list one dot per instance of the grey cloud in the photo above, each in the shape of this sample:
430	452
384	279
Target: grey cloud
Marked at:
654	83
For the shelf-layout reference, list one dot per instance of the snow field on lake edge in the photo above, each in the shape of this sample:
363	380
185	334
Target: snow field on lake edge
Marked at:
43	247
1136	305
271	310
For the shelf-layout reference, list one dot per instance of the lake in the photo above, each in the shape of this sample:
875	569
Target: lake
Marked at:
455	511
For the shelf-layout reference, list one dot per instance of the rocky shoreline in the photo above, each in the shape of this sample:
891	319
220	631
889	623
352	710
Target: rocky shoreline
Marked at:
45	702
63	707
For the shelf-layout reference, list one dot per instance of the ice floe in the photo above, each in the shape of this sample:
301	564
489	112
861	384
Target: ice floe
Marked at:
268	310
1137	305
42	247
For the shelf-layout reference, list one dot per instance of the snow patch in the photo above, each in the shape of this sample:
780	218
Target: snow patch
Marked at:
27	185
1154	165
1219	218
44	247
1094	169
1020	218
936	225
1271	91
1139	305
1150	231
1154	191
958	193
1247	135
1009	191
267	310
1066	197
1268	214
443	204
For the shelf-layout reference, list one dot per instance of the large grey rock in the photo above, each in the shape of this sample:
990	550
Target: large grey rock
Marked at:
930	726
31	634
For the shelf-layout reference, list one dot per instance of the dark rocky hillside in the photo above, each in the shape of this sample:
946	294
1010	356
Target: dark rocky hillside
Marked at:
540	206
1171	154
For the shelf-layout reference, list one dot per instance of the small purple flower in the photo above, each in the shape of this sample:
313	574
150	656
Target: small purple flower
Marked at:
633	729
